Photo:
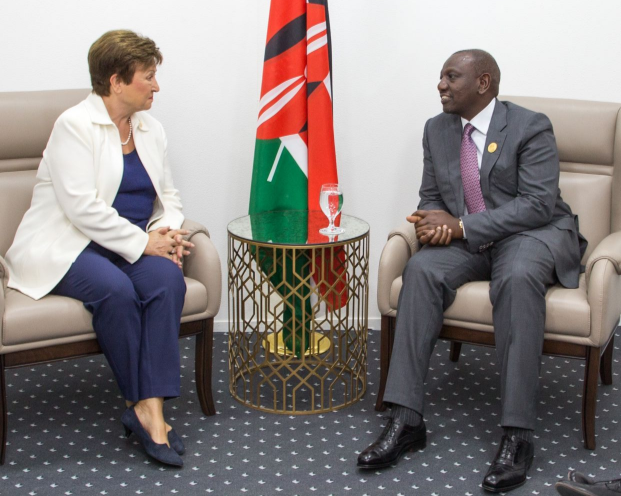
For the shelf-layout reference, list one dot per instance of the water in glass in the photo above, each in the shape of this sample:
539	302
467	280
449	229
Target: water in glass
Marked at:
331	202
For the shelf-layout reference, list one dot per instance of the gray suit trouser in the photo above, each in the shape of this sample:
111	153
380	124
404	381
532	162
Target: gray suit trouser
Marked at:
521	270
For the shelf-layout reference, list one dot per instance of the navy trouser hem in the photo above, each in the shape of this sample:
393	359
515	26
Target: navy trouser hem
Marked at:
168	393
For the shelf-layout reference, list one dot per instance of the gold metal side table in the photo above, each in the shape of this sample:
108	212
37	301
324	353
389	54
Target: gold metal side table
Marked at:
298	312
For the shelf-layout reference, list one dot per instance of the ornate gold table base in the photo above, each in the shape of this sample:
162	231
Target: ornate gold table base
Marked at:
269	376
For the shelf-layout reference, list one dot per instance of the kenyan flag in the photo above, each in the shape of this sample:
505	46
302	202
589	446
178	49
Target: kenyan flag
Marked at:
294	151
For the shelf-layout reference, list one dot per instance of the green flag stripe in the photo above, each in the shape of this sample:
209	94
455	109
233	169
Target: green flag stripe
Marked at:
288	189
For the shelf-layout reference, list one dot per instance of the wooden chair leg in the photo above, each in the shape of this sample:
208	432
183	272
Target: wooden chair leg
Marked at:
3	413
589	397
203	364
387	338
605	366
455	351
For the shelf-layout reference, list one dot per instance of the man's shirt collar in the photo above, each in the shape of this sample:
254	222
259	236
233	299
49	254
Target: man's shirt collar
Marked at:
482	120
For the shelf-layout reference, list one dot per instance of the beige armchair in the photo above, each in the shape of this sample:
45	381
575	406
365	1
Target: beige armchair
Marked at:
580	322
55	327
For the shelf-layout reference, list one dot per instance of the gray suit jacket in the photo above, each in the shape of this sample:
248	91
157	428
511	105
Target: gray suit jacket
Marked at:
519	181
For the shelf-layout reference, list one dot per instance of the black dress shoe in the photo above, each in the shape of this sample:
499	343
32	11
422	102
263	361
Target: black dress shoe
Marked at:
397	438
510	466
575	476
580	485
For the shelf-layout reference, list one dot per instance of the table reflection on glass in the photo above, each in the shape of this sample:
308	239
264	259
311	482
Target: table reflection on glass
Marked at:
298	312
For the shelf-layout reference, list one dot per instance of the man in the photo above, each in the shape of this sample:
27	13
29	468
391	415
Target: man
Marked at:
581	485
490	209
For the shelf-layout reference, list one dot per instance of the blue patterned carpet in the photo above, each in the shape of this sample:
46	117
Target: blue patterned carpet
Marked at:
66	438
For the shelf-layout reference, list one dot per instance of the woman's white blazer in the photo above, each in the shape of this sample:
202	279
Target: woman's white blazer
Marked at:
77	182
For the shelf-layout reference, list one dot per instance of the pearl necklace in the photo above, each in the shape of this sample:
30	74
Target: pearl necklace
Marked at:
129	120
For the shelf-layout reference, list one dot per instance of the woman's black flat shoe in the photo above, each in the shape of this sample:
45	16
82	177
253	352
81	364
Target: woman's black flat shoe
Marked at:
160	452
175	442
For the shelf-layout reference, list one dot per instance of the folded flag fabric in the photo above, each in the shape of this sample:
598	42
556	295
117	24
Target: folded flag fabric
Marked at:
294	150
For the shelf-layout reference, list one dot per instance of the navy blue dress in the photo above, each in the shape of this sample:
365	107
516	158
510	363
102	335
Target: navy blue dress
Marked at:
136	307
136	194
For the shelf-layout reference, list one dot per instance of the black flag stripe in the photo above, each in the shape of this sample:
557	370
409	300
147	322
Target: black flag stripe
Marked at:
288	36
311	86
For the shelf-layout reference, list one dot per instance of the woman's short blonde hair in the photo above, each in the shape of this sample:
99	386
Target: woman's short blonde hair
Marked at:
120	52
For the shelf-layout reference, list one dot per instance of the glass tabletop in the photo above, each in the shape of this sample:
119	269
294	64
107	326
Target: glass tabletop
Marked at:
294	227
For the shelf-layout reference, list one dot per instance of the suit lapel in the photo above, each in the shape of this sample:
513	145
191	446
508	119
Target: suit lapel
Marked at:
495	134
452	147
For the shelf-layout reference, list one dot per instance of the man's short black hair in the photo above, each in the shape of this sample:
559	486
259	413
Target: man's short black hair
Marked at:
484	63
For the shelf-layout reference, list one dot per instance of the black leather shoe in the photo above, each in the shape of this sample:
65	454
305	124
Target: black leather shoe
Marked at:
397	438
575	476
581	485
510	466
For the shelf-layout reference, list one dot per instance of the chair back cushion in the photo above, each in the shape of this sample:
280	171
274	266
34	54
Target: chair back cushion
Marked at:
26	122
588	136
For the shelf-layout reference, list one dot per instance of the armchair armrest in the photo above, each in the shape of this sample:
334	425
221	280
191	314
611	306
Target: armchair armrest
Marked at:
4	279
603	279
194	228
407	231
203	264
608	249
4	274
402	244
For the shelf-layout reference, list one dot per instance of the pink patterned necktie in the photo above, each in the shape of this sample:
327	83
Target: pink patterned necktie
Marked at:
470	176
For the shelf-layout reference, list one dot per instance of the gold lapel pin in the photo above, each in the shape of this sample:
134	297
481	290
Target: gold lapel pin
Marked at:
492	147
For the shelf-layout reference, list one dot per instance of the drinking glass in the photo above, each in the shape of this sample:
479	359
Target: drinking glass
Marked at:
331	203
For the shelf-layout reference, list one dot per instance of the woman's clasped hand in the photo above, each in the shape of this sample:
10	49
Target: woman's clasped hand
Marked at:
169	243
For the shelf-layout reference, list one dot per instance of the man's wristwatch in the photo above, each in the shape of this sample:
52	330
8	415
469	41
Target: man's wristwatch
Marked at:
461	226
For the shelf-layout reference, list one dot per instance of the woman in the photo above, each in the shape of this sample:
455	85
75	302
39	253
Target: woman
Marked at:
104	228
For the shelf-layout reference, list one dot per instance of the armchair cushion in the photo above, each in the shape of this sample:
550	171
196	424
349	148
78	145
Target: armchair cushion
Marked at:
56	317
568	310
